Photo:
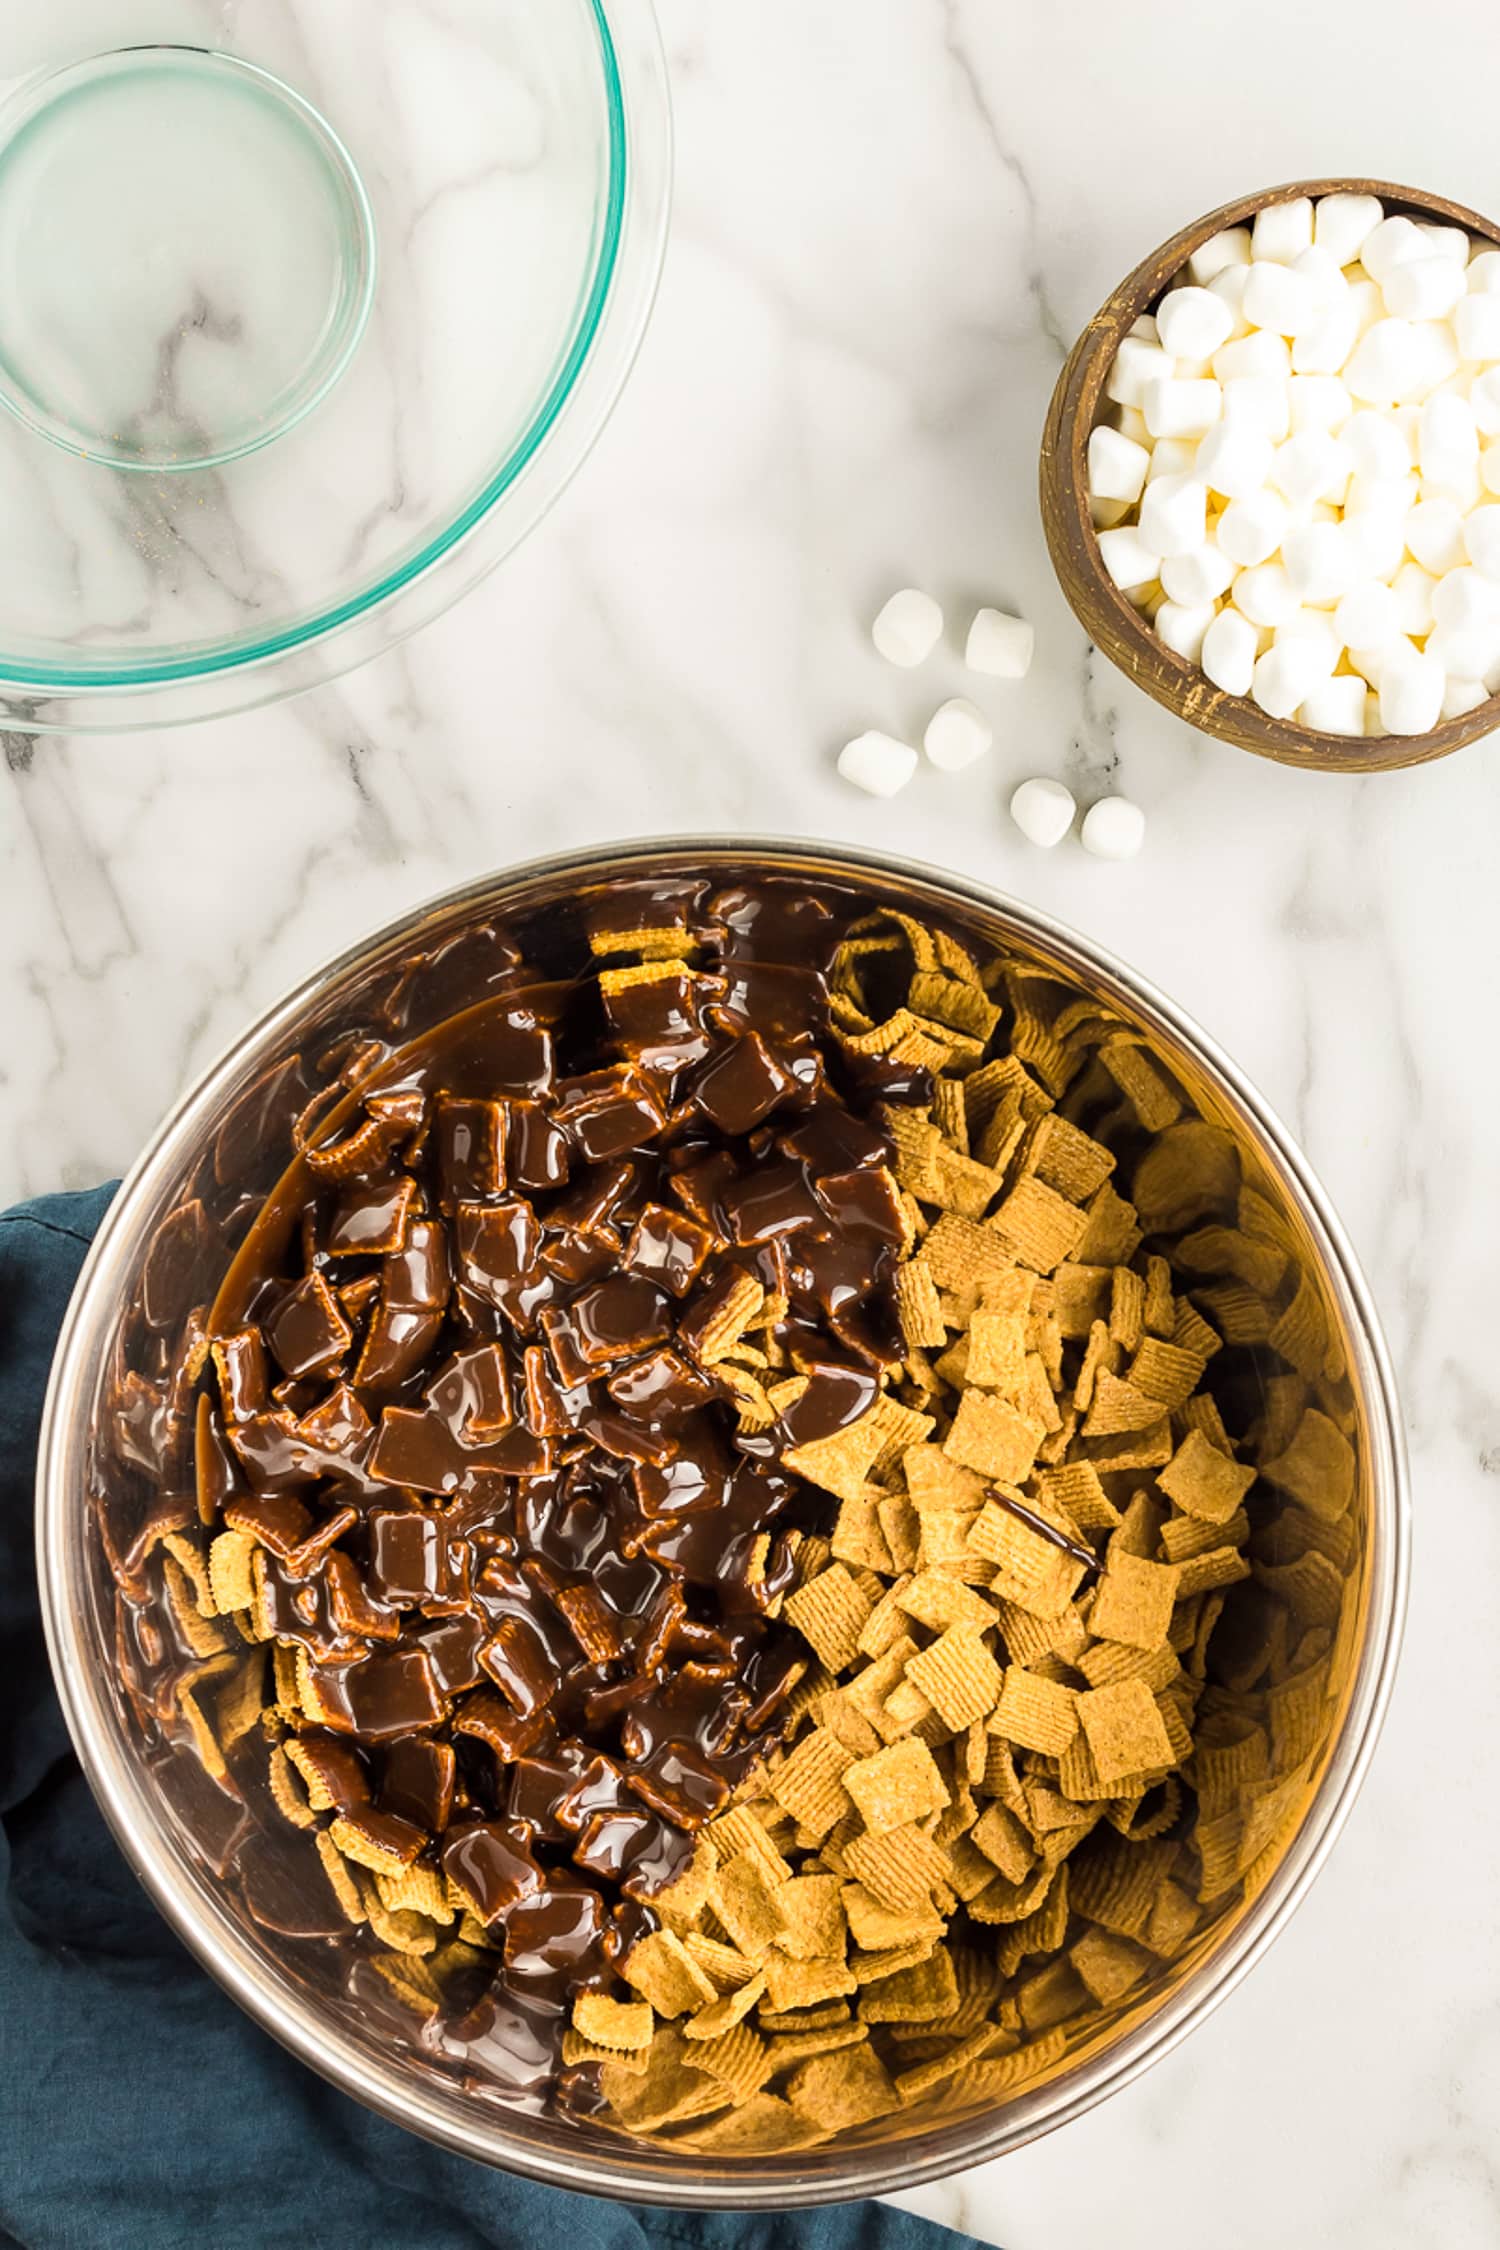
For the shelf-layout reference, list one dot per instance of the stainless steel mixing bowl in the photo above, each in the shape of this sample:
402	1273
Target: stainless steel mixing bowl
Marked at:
162	1246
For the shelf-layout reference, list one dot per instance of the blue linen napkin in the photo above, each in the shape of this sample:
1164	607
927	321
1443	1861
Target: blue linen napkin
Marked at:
139	2108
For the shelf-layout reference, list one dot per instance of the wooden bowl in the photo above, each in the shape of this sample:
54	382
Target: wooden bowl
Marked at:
1109	619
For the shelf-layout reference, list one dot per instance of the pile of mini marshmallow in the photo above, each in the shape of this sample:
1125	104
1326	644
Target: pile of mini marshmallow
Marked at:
1299	485
906	632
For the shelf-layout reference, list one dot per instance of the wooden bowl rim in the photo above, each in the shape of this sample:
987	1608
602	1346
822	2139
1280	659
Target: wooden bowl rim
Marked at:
1183	687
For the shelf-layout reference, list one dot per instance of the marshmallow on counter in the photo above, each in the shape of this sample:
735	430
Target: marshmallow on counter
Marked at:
1114	828
908	628
1043	811
1000	645
877	763
956	735
1301	487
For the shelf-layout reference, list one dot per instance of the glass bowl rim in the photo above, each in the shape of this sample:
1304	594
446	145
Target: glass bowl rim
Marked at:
199	1917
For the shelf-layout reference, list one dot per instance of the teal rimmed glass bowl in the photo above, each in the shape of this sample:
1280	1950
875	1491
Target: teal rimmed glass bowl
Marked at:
302	333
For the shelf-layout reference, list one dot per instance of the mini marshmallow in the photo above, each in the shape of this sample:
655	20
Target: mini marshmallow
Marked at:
1229	288
1043	811
1235	460
1484	401
1256	354
1105	514
1321	561
1392	243
1286	675
1000	645
1378	541
1193	323
1282	300
1230	247
1318	402
1384	364
1117	465
1476	326
1435	535
1367	616
1312	626
1465	598
1435	356
1311	464
1411	691
1182	625
1252	529
1136	364
1282	231
1462	696
1131	423
1198	576
1377	445
1447	441
1144	325
878	763
909	628
1483	275
1182	408
956	735
1172	457
1323	348
1172	516
1114	828
1445	241
1425	289
1489	468
1413	588
1265	595
1259	403
1336	706
1465	655
1128	562
1343	223
1382	496
1229	651
1481	540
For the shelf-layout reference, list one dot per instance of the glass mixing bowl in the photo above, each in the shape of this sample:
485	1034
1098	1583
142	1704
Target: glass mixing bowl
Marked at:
307	315
161	1251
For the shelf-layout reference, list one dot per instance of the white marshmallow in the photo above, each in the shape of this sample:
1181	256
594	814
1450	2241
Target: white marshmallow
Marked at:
1265	595
1105	514
1318	402
1235	460
1131	423
1182	626
1367	616
956	735
1321	562
1256	354
1282	231
1144	325
1343	223
1173	515
1043	811
909	627
1114	828
1484	401
1379	542
1136	364
1465	654
1484	273
1425	289
1446	242
1462	696
1377	445
1229	651
1286	675
1252	529
1465	598
1230	247
1176	407
1481	540
1193	323
1128	562
1315	627
1198	576
1323	348
1413	588
1435	535
1172	457
1310	465
1336	706
1000	645
1447	441
1436	358
1259	403
1117	465
1489	468
1411	692
878	763
1229	288
1393	242
1280	299
1476	326
1384	364
1382	496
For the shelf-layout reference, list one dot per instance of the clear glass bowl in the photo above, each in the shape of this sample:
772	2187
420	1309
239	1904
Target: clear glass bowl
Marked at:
300	332
162	1250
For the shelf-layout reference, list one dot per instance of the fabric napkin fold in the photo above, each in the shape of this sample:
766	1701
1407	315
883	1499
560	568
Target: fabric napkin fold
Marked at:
139	2108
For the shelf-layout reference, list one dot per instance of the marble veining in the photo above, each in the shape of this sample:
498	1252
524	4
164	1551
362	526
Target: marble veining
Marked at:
892	216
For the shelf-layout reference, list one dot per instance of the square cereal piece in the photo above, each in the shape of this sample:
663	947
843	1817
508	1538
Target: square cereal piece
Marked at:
830	1613
1166	1372
803	1984
997	1349
920	1994
665	1974
1317	1468
900	1870
899	1784
1124	1730
1030	1571
880	1929
744	1899
1081	1296
1203	1481
992	1438
1118	1406
959	1678
761	2126
1068	1159
962	1253
1041	1227
809	1784
918	1306
835	2091
1133	1601
812	1909
938	1601
1035	1713
1005	1842
935	1481
613	2023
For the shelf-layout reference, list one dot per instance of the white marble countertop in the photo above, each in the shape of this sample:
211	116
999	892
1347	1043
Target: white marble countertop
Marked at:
892	215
